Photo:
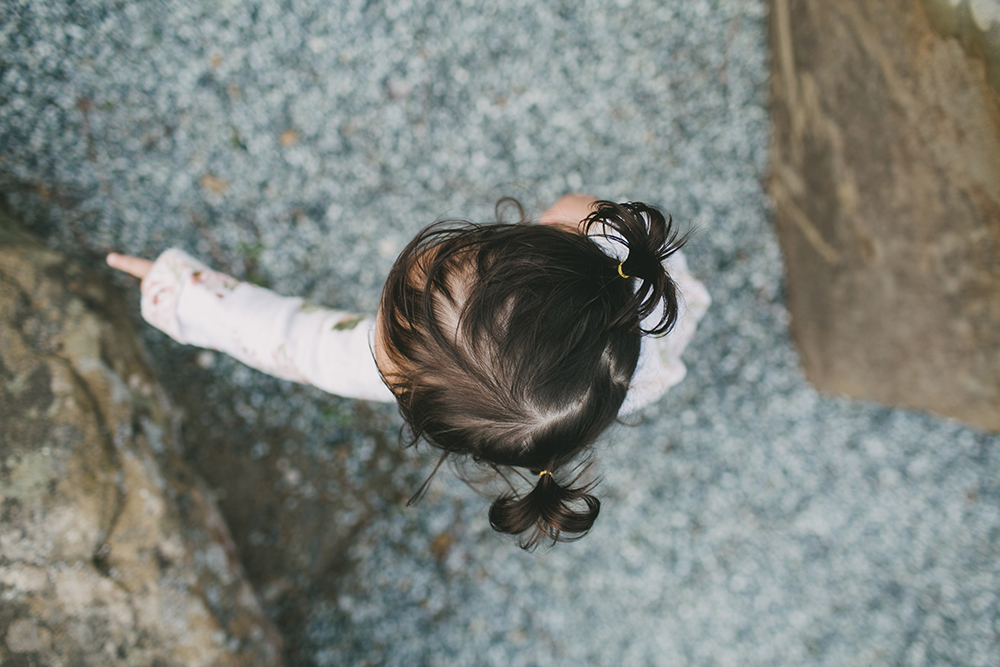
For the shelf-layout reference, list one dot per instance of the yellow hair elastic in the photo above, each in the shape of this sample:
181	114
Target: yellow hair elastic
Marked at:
620	272
545	472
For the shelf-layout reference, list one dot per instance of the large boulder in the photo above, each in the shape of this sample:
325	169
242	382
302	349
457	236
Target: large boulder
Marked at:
111	551
886	184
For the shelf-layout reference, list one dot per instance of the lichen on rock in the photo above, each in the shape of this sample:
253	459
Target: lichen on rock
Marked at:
111	550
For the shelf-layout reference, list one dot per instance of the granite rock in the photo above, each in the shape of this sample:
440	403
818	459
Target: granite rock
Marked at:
885	176
111	550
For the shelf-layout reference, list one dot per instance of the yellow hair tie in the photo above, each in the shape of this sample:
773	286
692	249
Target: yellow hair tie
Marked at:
545	472
620	272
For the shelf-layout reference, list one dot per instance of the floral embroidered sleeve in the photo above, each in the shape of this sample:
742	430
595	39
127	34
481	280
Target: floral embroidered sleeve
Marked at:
660	366
283	336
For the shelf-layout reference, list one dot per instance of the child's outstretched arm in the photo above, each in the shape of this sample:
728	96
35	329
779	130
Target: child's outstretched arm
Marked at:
283	336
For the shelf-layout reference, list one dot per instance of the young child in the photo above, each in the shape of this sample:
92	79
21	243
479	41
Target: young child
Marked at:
514	344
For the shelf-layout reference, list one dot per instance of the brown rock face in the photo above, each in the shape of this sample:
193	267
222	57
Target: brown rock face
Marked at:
111	551
886	184
976	24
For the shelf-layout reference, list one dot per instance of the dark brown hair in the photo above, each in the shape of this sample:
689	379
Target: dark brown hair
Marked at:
515	344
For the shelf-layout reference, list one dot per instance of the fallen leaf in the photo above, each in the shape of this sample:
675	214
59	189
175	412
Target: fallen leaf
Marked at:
213	184
288	138
440	545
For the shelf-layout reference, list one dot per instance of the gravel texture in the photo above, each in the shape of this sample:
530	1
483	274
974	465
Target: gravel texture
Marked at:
746	521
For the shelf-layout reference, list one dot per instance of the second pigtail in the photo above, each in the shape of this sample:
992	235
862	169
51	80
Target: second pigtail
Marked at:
650	237
549	511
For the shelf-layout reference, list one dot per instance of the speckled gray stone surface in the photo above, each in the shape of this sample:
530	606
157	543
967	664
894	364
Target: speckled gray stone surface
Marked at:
746	521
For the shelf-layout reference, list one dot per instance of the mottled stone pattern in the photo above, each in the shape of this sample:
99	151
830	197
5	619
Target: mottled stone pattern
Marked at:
111	551
886	182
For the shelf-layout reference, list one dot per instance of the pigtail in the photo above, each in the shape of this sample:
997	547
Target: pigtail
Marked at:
650	238
546	512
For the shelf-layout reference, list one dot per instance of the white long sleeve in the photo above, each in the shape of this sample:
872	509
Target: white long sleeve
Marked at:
331	349
660	366
283	336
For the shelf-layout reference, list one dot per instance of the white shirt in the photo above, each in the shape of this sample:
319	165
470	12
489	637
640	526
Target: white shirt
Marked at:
293	339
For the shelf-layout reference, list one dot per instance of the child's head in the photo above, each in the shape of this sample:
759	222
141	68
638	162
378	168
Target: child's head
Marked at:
515	345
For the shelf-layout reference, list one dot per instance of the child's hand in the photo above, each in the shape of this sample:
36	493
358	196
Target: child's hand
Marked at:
569	212
134	266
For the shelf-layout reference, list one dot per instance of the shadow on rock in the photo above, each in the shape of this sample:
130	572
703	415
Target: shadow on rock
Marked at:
112	549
